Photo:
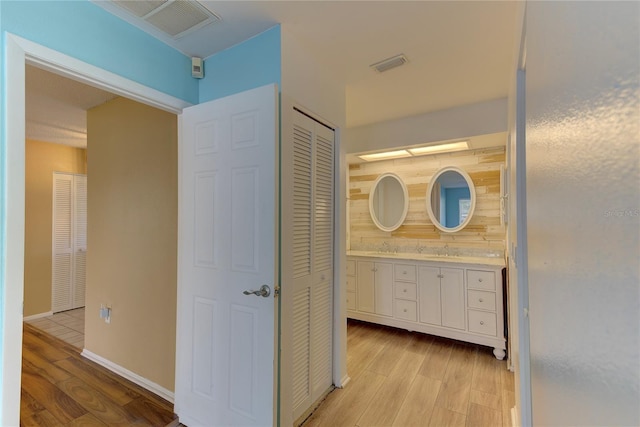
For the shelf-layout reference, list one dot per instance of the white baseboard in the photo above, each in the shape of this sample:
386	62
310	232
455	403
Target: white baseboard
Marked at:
38	316
344	381
514	417
131	376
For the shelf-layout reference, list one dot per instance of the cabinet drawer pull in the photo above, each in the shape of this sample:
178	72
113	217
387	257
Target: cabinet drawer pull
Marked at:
405	310
404	272
480	280
482	322
404	290
480	299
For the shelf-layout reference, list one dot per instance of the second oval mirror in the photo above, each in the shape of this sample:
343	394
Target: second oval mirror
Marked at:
388	202
451	199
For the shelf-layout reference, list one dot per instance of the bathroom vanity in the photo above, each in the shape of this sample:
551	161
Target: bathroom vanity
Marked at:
453	297
429	261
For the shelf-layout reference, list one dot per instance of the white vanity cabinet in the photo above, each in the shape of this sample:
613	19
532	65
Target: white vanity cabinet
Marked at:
405	293
442	296
374	287
458	300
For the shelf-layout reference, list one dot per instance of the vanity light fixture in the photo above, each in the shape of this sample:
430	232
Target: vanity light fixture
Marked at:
440	148
417	151
387	155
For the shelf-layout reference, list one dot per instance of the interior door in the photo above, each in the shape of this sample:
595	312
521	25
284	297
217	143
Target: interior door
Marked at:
62	259
69	237
225	360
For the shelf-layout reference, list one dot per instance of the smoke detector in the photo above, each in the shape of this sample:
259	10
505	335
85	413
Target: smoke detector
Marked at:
175	18
389	63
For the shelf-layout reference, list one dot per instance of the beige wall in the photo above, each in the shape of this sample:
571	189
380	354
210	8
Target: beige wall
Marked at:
483	236
132	237
42	159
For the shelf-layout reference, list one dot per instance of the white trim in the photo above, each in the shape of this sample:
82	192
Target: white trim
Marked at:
13	228
19	52
67	66
38	316
131	376
344	381
514	417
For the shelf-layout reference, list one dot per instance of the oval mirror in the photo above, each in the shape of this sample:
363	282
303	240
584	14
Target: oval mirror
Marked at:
388	202
451	199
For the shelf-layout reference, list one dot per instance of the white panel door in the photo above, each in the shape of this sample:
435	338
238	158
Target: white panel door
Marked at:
227	245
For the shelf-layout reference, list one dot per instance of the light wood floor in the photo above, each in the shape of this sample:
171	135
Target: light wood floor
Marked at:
61	388
408	379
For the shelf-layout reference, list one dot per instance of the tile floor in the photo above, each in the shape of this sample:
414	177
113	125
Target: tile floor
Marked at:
66	325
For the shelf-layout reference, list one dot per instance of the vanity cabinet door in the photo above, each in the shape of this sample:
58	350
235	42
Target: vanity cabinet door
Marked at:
384	288
429	295
452	297
365	286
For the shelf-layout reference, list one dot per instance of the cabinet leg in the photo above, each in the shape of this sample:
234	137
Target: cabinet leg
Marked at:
499	353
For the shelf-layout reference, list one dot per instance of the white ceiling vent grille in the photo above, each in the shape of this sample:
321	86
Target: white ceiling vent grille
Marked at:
176	18
389	63
140	8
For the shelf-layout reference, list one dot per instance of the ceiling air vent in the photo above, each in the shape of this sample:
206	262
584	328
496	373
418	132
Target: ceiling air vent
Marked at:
389	63
176	18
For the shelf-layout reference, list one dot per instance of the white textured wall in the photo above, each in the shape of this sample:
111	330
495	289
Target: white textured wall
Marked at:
583	192
309	82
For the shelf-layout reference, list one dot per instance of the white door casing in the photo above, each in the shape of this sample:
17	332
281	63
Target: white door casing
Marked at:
18	52
227	237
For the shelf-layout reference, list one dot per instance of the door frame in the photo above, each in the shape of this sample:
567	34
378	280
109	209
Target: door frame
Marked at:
18	53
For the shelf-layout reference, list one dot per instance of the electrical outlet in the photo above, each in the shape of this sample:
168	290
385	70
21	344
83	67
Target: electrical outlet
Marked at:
105	313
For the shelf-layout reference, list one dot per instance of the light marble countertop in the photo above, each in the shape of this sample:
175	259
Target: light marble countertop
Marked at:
492	261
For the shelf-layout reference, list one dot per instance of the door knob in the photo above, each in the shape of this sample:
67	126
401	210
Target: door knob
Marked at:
264	291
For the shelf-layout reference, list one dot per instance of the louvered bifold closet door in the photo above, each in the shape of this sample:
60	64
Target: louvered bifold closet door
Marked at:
322	292
302	227
62	257
80	240
312	261
69	235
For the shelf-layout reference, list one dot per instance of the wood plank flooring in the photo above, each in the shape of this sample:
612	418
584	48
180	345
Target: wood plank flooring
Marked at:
61	388
399	378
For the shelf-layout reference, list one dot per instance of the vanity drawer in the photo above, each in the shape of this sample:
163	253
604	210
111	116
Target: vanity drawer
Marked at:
404	272
351	283
351	300
405	310
351	268
481	299
481	280
405	290
482	322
